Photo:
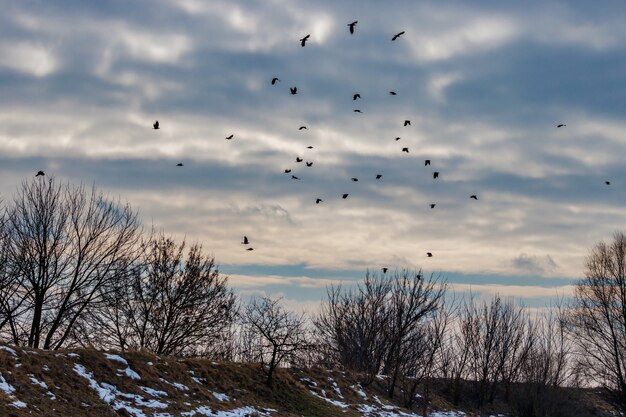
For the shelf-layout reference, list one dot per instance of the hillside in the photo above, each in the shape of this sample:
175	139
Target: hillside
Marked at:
92	383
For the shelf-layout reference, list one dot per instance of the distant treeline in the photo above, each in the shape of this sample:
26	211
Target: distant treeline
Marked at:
78	270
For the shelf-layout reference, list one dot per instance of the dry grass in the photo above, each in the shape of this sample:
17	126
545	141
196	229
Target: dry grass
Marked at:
296	392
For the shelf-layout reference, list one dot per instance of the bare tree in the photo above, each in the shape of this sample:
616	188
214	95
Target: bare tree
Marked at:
66	244
276	333
353	324
175	302
412	299
597	318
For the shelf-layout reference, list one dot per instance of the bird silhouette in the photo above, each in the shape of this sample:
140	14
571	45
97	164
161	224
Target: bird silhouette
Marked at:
432	205
429	254
309	164
302	128
319	200
351	26
40	174
435	175
418	276
397	35
397	138
393	93
355	96
294	177
607	182
344	196
180	164
303	40
250	249
405	150
355	179
287	171
474	196
298	159
294	90
245	240
407	123
357	111
561	125
309	147
230	137
274	80
379	176
155	125
385	270
426	162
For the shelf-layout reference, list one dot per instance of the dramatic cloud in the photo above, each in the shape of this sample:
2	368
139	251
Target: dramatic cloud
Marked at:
484	86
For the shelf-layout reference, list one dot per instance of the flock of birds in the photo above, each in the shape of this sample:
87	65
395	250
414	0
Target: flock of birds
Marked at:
355	96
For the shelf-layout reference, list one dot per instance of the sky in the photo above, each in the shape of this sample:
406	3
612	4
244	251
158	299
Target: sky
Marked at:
483	83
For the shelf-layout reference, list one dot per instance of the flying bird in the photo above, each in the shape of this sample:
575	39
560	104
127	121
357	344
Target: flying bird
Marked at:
418	276
355	96
379	176
309	164
397	138
230	137
40	174
309	147
393	93
357	111
607	182
302	128
426	162
155	125
407	123
245	240
180	164
430	255
355	179
352	25
294	177
474	196
435	175
298	159
397	35
287	171
294	90
344	196
405	150
385	270
432	205
303	40
561	125
319	200
250	249
274	80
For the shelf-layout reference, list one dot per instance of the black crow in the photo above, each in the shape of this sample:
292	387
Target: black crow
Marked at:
230	137
352	25
435	175
294	90
40	174
245	241
407	123
397	35
274	80
355	96
303	40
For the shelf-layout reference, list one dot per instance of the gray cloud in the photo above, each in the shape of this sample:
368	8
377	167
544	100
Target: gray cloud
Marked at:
483	84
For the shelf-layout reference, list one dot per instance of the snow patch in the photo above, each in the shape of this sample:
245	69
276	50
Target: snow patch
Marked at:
35	381
5	386
359	390
153	392
181	387
221	397
10	350
237	412
18	404
116	358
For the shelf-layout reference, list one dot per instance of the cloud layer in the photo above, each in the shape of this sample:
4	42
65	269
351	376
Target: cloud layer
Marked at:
484	86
